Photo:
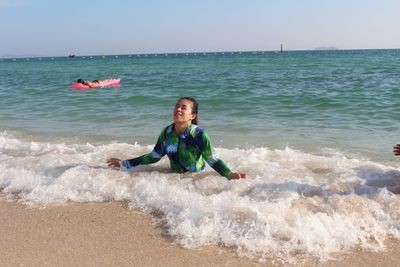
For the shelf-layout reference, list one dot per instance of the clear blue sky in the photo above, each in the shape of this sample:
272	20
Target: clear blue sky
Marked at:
97	27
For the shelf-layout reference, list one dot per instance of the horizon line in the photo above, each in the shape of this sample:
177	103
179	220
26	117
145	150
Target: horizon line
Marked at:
318	49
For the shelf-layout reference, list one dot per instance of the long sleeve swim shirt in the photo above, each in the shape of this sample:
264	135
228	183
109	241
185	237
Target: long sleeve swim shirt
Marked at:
187	152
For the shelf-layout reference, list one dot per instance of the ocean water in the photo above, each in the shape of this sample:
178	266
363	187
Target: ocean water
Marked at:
314	131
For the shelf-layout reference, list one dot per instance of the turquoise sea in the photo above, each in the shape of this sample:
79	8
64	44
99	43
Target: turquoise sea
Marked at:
346	100
314	130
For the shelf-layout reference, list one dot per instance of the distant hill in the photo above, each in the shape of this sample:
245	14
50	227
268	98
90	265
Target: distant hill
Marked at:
326	48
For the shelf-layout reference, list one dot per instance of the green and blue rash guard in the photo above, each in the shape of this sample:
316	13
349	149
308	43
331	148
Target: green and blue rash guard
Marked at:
186	152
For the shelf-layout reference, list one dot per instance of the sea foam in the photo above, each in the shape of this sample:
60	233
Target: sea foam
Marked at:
292	204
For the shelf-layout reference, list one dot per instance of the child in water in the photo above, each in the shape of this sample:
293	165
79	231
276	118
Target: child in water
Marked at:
187	146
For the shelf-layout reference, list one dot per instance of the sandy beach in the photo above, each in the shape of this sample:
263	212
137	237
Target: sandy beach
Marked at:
110	234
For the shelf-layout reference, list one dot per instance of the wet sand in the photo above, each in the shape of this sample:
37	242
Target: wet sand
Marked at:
110	234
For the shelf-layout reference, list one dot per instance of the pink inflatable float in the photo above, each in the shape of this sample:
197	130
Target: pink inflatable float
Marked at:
104	83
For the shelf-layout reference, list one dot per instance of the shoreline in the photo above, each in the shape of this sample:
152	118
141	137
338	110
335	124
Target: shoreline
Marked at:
109	234
95	234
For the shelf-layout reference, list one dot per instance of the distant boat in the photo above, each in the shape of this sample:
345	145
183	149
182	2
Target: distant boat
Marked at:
71	56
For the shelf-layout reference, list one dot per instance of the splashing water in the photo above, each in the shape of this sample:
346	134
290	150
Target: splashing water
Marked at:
293	203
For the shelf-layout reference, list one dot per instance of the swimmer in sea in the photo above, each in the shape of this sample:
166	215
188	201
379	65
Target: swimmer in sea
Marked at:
92	84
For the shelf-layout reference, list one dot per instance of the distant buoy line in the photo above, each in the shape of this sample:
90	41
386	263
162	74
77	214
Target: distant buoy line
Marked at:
152	55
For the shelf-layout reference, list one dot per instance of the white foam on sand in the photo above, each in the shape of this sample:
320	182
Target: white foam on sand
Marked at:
293	204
